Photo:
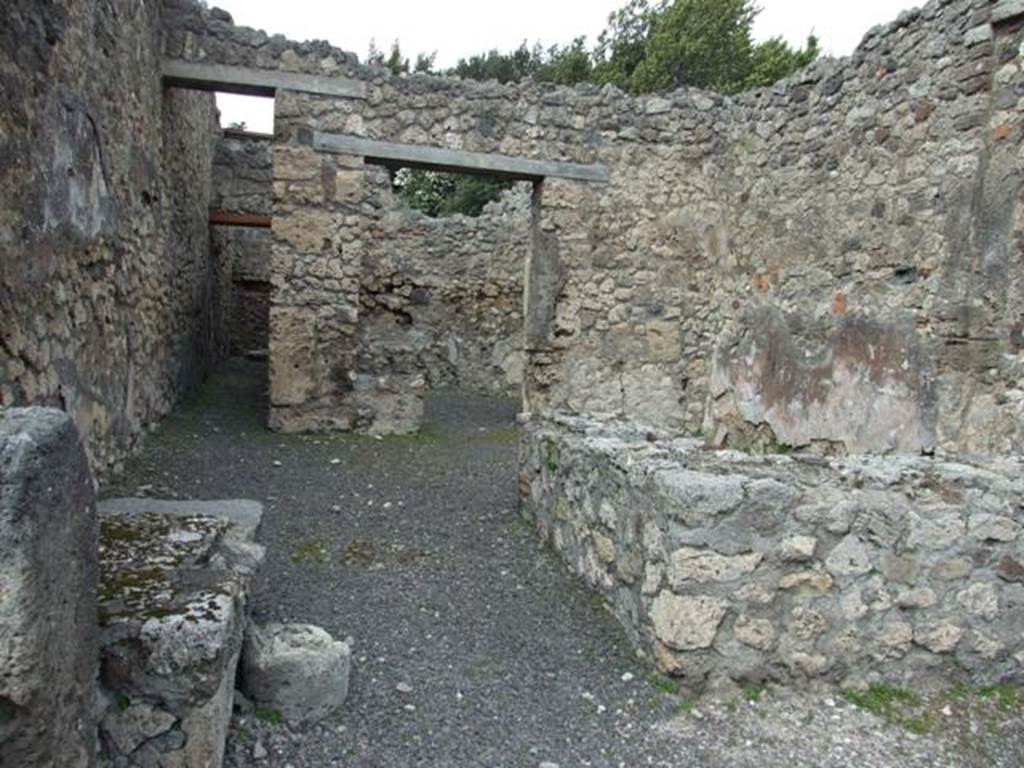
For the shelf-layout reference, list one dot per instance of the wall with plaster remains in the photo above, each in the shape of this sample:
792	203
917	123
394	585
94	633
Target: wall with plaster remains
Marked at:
759	268
106	288
872	216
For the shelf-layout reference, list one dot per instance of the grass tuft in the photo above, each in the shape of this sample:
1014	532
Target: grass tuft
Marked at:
664	684
269	716
895	705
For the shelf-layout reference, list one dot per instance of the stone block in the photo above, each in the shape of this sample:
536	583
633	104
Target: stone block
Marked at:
1006	10
175	580
297	669
306	230
701	565
48	573
687	623
797	549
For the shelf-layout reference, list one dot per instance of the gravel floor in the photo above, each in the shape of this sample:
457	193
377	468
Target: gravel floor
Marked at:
472	646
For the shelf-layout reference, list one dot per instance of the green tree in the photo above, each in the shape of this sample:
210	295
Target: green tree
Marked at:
513	67
701	43
774	59
446	194
647	46
621	47
395	62
567	66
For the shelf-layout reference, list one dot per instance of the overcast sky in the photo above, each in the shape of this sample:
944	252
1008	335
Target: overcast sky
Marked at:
459	28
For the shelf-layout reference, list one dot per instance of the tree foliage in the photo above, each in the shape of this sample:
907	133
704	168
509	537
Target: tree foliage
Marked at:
445	194
647	46
654	47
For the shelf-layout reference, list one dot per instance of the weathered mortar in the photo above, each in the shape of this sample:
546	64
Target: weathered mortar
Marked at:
105	281
787	568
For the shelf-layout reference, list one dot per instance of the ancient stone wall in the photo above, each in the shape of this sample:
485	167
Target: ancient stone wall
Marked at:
105	282
49	649
445	296
438	297
870	214
243	184
787	568
823	264
603	330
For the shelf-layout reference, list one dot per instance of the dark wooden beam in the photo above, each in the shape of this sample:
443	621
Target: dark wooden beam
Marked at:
200	76
435	158
235	133
228	219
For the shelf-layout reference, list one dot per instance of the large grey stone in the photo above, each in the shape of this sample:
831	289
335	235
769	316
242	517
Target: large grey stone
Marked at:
297	669
48	646
687	623
702	565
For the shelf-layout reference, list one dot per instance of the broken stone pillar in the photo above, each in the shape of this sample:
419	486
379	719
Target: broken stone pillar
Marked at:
297	669
48	553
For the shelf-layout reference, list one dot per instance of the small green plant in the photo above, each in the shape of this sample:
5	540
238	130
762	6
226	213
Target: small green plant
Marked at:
269	716
664	684
776	448
686	706
1005	696
919	725
550	451
894	705
311	552
754	694
122	702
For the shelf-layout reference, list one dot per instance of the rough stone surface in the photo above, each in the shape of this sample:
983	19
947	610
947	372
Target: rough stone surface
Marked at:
107	291
866	571
243	183
510	659
48	645
297	669
825	264
175	578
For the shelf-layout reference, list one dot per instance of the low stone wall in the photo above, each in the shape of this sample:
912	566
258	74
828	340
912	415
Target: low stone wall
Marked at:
787	568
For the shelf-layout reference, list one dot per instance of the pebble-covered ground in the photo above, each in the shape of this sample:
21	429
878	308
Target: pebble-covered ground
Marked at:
472	646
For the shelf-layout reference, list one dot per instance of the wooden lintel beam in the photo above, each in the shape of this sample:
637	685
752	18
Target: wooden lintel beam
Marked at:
249	81
437	158
228	219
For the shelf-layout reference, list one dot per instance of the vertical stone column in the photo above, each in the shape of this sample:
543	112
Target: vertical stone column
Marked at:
561	241
48	625
326	207
315	271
